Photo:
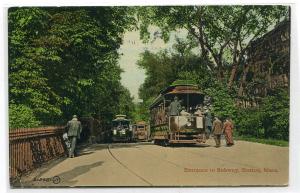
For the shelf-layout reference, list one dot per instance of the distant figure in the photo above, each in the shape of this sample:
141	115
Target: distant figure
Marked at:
184	113
175	107
217	131
199	111
228	131
74	129
208	122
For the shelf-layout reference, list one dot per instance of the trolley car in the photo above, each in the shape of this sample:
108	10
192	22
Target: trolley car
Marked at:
121	129
186	127
141	131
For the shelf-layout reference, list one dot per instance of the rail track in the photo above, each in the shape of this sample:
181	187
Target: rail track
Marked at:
125	166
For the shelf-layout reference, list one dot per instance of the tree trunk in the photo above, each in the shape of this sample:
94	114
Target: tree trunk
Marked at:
234	64
220	74
232	75
243	81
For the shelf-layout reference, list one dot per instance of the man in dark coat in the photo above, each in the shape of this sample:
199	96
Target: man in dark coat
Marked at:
175	107
217	131
74	129
208	122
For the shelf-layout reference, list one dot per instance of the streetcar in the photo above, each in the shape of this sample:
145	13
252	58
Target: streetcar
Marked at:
184	127
141	131
121	130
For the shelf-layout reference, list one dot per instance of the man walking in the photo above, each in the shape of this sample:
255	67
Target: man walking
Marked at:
74	130
217	131
228	131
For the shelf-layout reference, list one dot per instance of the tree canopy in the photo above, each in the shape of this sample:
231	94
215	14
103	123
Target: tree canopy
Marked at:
64	61
222	33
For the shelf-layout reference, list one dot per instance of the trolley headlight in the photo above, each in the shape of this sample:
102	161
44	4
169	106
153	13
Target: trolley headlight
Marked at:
115	132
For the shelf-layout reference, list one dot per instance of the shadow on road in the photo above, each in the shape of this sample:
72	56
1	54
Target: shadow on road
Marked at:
66	177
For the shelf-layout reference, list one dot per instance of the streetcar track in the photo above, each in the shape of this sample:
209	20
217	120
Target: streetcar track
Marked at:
204	155
168	161
126	167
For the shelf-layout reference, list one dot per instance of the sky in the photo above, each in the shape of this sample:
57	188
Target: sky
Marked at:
130	51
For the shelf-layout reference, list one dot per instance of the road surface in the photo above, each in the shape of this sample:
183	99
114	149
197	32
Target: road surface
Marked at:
146	164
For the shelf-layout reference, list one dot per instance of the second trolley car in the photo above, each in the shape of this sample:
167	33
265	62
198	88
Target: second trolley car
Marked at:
141	131
121	129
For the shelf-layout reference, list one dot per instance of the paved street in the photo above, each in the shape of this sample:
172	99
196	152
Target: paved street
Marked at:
145	164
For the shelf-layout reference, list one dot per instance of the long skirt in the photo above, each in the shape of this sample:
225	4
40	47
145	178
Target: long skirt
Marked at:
228	137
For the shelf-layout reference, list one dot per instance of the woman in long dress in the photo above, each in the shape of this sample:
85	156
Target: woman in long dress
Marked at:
228	131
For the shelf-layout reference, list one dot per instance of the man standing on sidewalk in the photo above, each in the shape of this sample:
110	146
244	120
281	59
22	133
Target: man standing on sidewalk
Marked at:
217	131
74	129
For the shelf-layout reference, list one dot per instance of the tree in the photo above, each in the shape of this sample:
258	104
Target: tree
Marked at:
64	60
21	116
28	85
165	67
223	33
275	115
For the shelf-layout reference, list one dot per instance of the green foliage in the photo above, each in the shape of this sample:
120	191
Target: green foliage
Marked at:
183	82
276	142
270	120
126	105
223	102
249	123
64	61
164	67
222	32
142	110
28	85
21	116
275	114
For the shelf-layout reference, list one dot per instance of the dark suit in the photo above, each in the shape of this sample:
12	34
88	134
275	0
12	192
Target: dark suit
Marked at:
74	130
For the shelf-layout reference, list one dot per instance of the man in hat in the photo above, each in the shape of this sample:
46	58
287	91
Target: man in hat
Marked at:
217	131
74	129
175	107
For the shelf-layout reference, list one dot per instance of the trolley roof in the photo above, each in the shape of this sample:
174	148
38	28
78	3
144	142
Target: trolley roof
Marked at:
178	87
120	118
141	123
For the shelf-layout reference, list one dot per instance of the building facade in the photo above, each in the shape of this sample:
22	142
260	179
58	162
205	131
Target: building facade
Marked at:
267	66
